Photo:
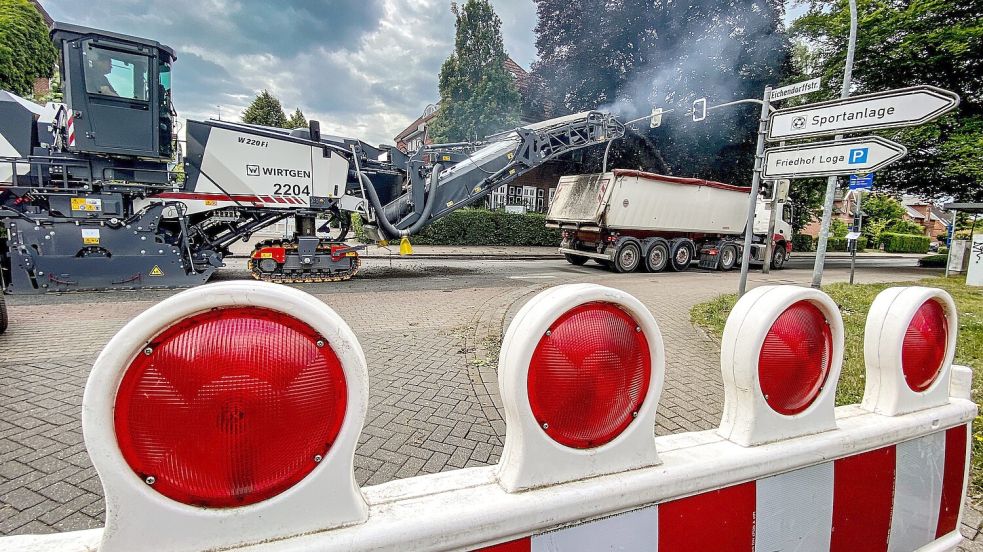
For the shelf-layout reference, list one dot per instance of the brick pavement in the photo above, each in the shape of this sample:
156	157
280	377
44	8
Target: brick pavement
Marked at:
433	402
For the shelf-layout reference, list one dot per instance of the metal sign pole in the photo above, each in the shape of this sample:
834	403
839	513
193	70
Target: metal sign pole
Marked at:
755	184
817	270
858	221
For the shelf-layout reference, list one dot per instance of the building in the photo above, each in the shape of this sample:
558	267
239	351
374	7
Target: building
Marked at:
931	217
535	189
843	209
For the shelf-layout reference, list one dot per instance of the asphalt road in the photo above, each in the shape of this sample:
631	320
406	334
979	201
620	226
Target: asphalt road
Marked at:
422	273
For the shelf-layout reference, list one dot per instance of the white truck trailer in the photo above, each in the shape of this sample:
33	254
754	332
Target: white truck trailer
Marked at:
628	219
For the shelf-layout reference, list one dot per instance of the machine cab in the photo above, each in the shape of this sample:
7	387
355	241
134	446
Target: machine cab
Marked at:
119	90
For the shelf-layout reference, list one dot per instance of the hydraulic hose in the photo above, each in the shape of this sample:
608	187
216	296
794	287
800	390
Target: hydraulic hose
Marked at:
384	223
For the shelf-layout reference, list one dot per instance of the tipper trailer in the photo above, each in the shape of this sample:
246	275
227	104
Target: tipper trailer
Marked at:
628	219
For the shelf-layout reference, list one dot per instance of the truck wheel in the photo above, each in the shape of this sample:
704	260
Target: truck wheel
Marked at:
3	314
728	257
629	257
778	258
658	257
575	259
680	254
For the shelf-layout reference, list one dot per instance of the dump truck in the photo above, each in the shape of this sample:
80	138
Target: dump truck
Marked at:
627	219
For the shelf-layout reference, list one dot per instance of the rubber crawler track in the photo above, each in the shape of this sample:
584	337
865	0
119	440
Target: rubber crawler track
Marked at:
279	277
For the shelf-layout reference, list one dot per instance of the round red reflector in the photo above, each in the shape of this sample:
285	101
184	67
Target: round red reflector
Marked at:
795	358
925	344
589	375
230	407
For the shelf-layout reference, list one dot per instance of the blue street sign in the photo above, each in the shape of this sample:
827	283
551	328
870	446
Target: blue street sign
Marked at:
861	181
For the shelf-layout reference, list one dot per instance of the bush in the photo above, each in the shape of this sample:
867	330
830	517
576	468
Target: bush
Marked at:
481	227
932	261
484	227
840	243
904	243
802	243
905	227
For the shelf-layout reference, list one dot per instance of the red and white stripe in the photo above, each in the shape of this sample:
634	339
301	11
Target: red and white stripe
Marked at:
899	497
70	126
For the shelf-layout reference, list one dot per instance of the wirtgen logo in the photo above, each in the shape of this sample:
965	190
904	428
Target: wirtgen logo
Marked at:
256	170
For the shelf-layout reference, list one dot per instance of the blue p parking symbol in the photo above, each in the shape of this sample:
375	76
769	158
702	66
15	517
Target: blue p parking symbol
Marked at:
858	155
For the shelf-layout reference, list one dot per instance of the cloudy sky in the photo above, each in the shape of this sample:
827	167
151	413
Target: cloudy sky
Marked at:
364	68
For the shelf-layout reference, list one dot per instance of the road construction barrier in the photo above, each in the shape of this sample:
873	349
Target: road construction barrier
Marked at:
226	417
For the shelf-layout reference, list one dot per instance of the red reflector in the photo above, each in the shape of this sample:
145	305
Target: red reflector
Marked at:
795	358
588	377
925	345
230	407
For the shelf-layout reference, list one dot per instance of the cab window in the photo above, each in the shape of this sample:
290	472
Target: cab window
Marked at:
115	74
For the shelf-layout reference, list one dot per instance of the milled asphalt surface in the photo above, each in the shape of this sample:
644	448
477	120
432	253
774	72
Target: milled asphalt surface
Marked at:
430	329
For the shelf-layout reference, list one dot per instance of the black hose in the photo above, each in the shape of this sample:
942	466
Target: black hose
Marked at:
384	223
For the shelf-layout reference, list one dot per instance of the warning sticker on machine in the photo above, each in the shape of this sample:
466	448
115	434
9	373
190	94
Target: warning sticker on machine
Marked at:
156	271
86	204
90	236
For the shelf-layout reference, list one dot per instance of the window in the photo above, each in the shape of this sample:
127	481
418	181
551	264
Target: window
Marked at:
115	74
552	193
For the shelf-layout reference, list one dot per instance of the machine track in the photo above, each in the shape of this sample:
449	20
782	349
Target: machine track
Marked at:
299	277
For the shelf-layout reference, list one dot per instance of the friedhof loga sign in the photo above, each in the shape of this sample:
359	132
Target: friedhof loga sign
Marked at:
857	155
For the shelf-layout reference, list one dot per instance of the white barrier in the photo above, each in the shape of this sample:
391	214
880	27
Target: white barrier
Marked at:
581	371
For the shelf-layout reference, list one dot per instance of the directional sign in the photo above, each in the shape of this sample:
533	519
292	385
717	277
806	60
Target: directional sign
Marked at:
857	155
861	181
893	108
796	89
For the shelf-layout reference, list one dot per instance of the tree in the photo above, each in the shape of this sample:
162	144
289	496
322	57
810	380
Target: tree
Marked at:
297	120
902	43
26	52
265	110
478	96
629	55
880	212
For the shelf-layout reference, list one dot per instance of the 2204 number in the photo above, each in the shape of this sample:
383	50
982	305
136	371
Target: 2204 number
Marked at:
291	189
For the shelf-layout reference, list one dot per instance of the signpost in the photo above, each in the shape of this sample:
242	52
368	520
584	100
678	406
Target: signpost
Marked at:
856	155
797	89
889	109
861	181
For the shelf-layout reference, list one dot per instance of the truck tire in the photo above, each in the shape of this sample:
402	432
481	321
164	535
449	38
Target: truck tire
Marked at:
3	314
575	259
779	257
628	258
680	254
728	257
657	257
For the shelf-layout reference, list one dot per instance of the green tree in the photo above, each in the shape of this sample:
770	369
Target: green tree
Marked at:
880	212
297	120
629	55
478	96
26	52
265	110
904	43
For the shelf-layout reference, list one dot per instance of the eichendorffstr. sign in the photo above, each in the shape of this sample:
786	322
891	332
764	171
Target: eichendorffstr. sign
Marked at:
796	89
893	108
857	155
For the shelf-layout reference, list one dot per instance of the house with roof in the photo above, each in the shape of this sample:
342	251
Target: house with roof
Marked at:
931	217
533	190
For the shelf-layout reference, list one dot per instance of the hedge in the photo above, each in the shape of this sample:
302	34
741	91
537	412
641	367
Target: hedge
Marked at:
840	243
802	243
484	227
904	243
933	261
